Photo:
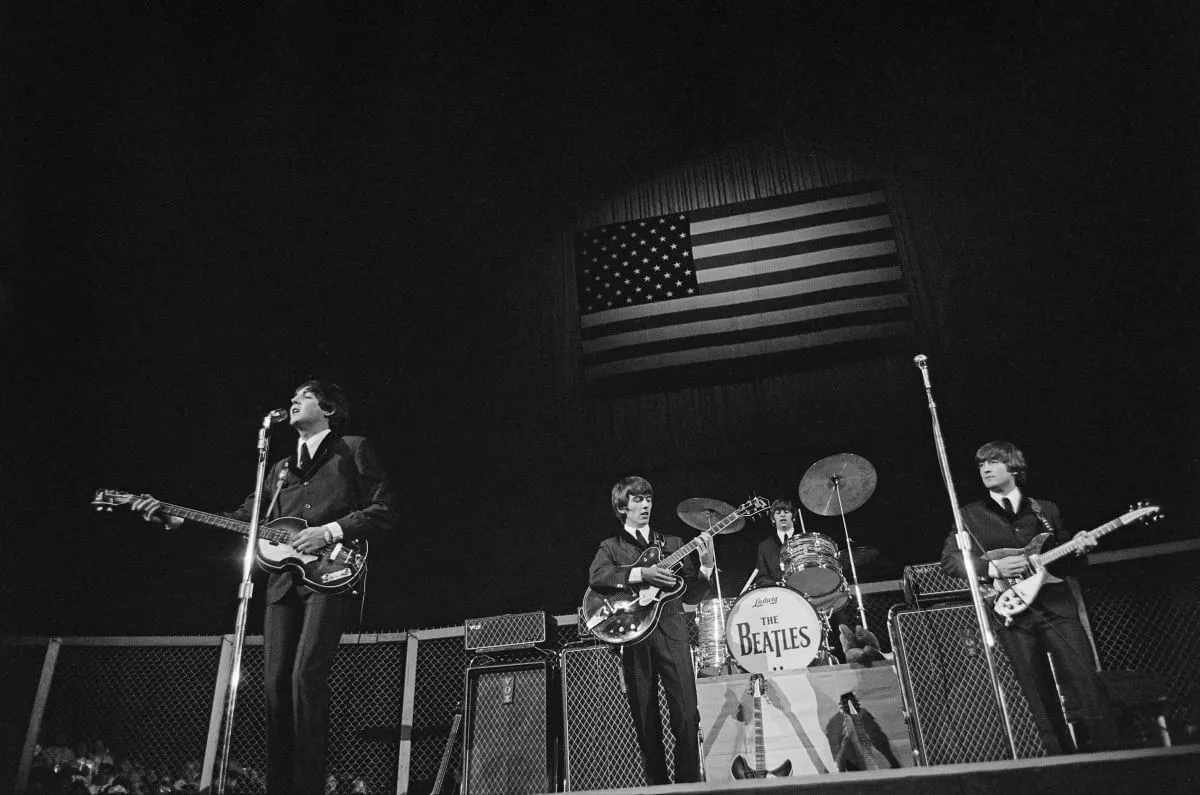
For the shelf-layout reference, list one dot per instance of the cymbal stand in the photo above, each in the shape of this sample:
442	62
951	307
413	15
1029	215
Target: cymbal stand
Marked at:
862	610
964	546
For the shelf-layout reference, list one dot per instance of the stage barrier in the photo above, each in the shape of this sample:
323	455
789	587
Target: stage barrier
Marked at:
395	694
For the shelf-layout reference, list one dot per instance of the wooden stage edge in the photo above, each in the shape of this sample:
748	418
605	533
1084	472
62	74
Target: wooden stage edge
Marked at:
1154	771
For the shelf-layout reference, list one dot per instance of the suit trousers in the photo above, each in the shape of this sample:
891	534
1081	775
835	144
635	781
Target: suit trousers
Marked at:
1036	633
300	639
658	656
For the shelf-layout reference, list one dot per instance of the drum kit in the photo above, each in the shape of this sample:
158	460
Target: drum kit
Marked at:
786	625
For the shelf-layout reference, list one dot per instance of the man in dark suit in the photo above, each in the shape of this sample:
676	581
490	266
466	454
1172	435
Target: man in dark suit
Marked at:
1007	518
665	653
768	564
338	486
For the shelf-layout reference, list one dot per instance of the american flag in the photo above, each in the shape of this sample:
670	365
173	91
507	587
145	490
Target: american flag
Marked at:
777	280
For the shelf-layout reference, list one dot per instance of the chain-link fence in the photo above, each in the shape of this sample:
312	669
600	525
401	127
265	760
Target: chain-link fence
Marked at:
152	698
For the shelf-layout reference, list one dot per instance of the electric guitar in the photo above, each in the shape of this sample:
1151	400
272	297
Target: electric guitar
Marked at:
1015	595
629	614
740	767
331	570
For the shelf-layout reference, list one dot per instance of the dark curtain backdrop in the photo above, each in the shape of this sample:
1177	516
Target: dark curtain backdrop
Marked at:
1011	325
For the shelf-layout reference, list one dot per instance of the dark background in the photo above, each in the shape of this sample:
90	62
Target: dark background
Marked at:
207	205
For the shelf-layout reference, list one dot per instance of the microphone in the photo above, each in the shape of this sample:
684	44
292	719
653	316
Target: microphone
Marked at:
922	363
278	415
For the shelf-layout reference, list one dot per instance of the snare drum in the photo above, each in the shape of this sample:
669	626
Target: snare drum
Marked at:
810	564
773	629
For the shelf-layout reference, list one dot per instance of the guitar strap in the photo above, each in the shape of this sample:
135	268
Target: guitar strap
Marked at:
1037	511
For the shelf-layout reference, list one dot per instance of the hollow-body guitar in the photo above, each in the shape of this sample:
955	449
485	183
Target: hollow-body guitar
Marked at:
333	569
629	614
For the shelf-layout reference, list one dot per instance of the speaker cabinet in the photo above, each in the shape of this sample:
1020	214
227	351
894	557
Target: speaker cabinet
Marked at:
511	736
600	747
952	712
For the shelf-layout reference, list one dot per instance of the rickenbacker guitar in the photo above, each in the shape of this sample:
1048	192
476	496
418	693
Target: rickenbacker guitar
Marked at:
740	767
1014	595
332	570
629	614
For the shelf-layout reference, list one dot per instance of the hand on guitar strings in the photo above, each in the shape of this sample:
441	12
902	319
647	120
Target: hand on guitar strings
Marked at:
310	540
658	576
704	545
1012	566
149	507
1086	542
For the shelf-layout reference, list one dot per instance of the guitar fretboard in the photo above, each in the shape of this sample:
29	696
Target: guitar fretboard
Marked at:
760	751
676	558
1075	544
265	532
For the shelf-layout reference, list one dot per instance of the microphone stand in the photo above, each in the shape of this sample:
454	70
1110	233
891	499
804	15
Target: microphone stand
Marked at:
964	545
245	591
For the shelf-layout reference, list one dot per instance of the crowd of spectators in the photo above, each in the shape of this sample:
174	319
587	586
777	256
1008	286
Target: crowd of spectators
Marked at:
91	768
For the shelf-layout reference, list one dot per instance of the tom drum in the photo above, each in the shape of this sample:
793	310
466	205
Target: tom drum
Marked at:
810	564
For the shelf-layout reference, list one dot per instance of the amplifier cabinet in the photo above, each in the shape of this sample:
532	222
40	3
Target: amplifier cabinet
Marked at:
599	744
926	584
509	631
511	736
948	697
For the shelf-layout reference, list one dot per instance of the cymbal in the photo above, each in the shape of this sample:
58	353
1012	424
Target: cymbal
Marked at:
702	513
851	474
863	556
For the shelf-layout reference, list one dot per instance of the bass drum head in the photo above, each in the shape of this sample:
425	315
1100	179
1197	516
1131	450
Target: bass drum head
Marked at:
773	629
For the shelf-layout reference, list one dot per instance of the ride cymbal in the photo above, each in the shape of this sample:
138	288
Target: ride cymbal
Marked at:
703	513
863	556
848	473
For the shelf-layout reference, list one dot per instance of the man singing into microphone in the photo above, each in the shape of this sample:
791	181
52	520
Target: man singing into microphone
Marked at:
337	485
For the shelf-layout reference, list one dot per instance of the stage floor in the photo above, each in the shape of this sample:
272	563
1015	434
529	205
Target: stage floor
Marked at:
1156	771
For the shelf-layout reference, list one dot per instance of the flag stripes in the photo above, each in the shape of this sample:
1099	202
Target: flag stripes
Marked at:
791	273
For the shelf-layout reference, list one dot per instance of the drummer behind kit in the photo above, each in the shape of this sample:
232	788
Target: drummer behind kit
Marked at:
775	628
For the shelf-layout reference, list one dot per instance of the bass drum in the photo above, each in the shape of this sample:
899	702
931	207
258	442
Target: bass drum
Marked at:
773	629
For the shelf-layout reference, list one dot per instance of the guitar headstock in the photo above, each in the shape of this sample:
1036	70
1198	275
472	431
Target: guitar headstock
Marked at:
1143	512
752	507
757	681
107	499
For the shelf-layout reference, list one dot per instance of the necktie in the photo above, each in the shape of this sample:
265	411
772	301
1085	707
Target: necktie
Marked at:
1008	507
644	537
305	456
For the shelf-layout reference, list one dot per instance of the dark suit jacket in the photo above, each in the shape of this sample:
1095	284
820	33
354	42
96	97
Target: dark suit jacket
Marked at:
992	528
344	483
614	560
770	568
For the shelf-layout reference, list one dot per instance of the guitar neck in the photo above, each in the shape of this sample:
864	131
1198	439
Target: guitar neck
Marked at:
760	751
1076	544
676	557
224	522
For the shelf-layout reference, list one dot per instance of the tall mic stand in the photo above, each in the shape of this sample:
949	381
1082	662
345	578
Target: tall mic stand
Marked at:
964	546
245	591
